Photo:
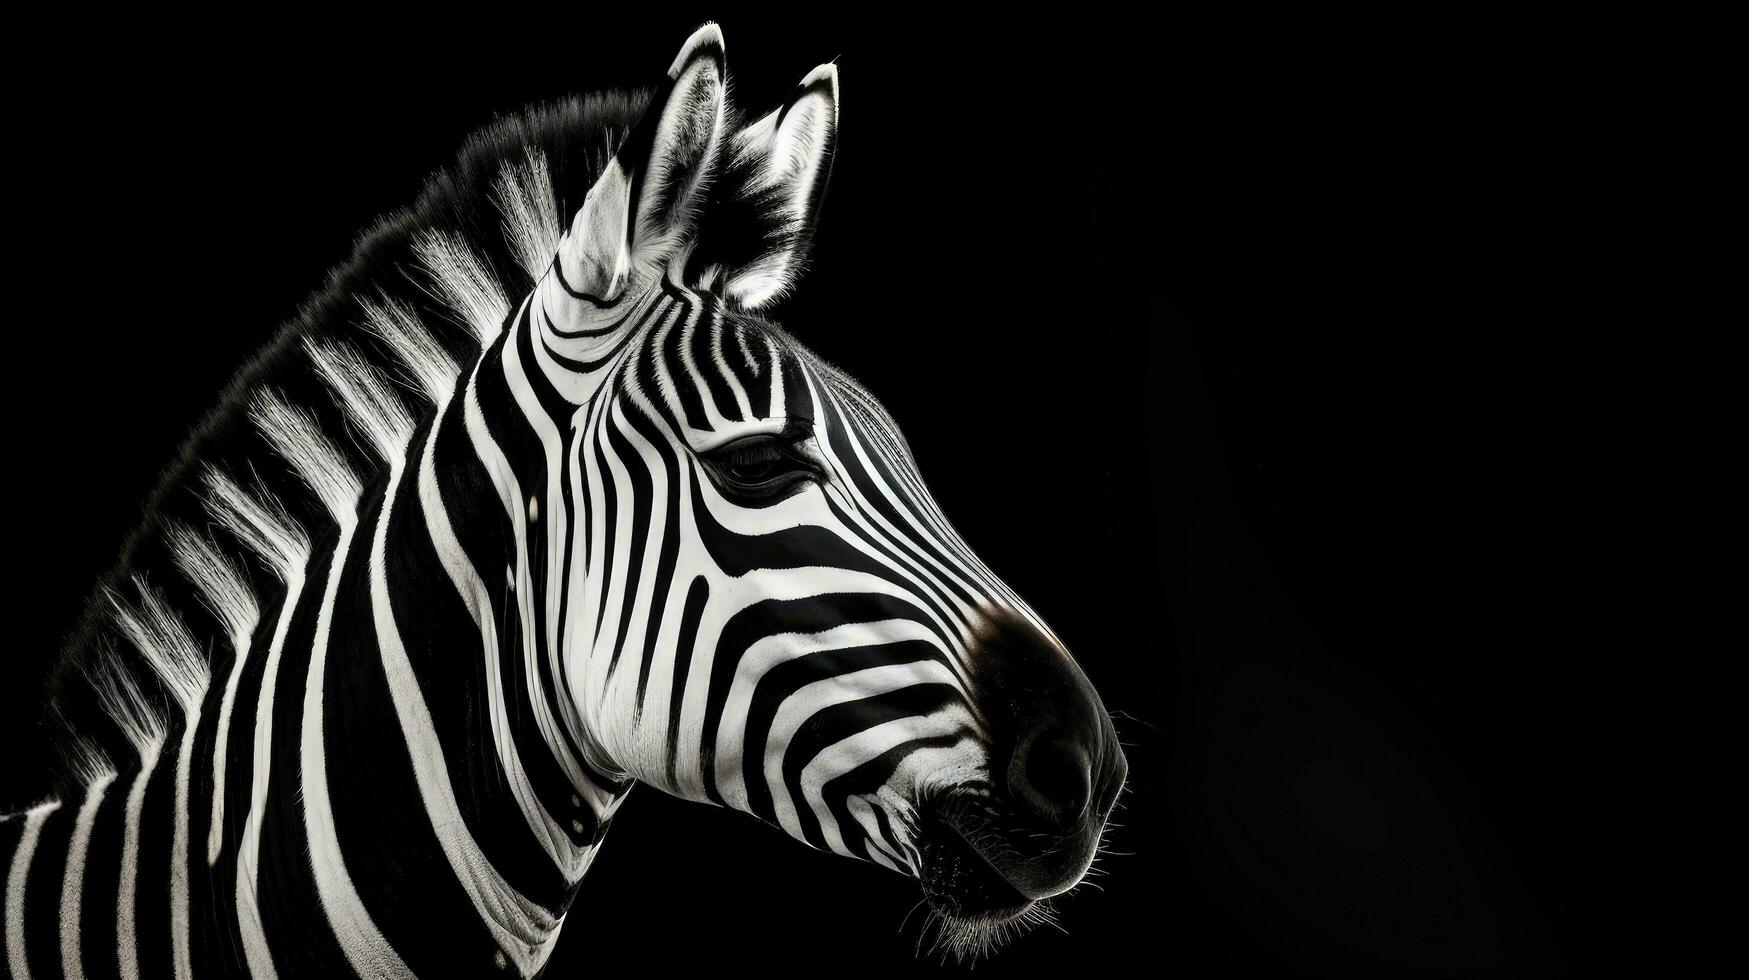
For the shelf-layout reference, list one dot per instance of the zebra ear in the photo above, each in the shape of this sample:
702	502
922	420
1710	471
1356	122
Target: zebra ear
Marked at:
788	158
664	162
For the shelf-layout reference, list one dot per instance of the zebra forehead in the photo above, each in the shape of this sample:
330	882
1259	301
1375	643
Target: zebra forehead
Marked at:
863	410
857	406
832	379
714	376
723	376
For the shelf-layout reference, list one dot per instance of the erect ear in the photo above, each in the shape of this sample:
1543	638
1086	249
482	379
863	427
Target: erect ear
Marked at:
787	157
641	207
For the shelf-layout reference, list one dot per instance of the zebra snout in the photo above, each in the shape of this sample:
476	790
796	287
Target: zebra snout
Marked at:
1061	784
1055	764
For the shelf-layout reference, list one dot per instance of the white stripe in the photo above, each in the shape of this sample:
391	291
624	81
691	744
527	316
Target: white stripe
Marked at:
863	812
510	496
556	519
263	526
468	584
73	880
365	947
127	949
620	689
876	526
779	397
730	596
249	926
180	959
122	699
579	387
15	880
523	930
215	837
771	651
865	745
728	376
969	571
164	640
811	699
605	693
616	473
695	321
298	439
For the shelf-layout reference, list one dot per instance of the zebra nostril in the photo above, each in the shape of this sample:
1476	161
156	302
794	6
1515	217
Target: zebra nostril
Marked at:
1052	774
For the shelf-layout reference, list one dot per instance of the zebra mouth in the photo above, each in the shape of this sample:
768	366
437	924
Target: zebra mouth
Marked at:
974	907
962	883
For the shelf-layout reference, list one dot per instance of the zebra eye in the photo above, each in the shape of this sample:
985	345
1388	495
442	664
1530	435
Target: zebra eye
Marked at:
760	469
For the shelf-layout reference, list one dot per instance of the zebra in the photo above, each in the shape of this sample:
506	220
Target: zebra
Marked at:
518	512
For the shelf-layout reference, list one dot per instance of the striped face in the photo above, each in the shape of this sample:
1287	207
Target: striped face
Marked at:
822	673
763	608
786	624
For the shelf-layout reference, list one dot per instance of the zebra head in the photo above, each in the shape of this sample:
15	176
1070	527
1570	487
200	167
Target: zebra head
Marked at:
765	609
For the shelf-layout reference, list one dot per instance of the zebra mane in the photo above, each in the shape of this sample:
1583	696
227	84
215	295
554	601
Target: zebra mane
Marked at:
312	420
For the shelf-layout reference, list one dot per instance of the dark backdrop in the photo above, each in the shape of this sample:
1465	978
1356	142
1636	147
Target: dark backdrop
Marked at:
1224	345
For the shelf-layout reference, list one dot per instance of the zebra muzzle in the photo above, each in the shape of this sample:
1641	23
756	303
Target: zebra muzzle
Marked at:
1055	772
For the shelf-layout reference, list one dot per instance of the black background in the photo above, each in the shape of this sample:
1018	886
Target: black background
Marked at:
1238	350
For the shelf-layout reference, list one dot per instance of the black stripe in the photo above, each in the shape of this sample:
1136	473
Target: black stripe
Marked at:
291	911
97	939
609	503
558	271
439	637
684	382
670	554
841	721
771	617
385	836
526	454
484	530
643	489
840	437
869	777
790	676
704	340
697	595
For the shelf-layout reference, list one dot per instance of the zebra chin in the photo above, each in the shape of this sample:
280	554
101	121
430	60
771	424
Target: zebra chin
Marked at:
990	874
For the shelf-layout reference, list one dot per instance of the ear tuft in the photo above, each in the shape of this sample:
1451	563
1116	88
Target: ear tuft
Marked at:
788	157
641	209
824	77
684	142
704	40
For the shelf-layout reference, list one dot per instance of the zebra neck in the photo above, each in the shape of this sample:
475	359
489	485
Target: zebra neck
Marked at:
424	743
424	715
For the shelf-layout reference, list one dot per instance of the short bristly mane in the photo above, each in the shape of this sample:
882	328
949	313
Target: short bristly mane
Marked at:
528	506
309	421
